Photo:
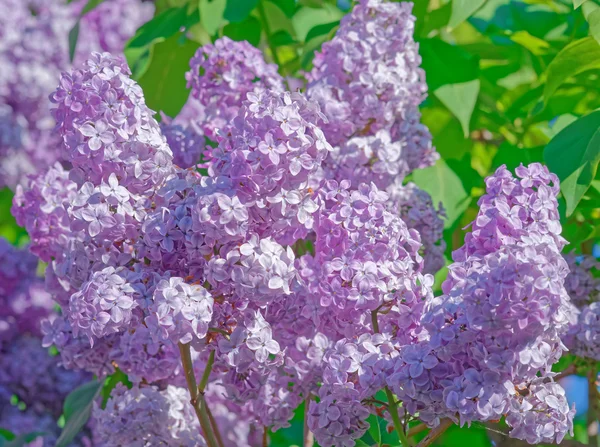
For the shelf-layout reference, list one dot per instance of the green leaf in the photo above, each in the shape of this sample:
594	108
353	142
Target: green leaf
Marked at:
73	36
250	30
111	382
320	30
591	12
160	27
460	99
446	64
277	19
282	38
211	14
578	3
374	428
164	81
573	155
577	57
534	44
91	4
512	156
444	185
462	10
238	10
287	6
77	409
306	19
168	23
74	32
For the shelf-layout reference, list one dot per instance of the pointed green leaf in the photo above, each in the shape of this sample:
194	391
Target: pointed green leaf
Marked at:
211	15
444	185
73	36
577	57
573	155
164	81
446	64
374	428
238	10
462	10
77	410
460	99
578	3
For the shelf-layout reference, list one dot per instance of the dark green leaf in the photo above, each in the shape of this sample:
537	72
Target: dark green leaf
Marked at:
444	185
160	27
111	382
73	36
446	64
374	428
287	6
573	155
7	435
577	57
238	10
462	10
77	409
168	23
250	30
512	156
91	4
164	81
320	30
211	15
282	38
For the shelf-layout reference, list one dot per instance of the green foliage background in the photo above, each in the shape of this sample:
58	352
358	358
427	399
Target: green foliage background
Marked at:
510	82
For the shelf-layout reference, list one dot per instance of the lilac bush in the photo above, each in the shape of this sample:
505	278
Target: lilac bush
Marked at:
267	248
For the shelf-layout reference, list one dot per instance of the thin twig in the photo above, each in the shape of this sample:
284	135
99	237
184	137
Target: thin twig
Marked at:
265	440
197	400
392	404
309	438
416	429
435	433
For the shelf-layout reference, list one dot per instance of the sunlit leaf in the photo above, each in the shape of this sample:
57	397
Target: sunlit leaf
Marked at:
445	186
573	155
164	81
211	14
577	57
462	10
460	99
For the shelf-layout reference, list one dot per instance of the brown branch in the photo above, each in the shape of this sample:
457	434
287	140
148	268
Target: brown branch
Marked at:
416	430
435	433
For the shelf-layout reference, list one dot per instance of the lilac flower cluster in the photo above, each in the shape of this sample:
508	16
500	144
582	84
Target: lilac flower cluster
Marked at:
222	75
583	286
369	85
147	416
495	332
294	268
33	52
33	384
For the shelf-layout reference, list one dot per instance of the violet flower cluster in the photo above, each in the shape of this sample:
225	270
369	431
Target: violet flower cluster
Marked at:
33	385
583	286
34	50
300	265
494	334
